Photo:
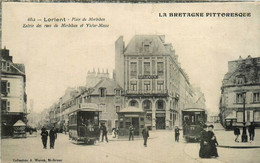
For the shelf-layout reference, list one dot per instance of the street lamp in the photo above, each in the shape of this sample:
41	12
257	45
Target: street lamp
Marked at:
244	134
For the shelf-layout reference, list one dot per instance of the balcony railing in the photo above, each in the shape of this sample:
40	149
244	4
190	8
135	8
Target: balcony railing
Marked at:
147	92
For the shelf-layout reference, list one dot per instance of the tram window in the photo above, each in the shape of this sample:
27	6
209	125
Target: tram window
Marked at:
96	120
121	125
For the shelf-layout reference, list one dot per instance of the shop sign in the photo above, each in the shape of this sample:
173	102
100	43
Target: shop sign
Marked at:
147	76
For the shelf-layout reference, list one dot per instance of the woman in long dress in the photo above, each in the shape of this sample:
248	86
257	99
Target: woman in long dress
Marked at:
204	143
212	142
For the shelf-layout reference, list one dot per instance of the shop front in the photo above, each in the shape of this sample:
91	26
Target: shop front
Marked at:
160	120
128	116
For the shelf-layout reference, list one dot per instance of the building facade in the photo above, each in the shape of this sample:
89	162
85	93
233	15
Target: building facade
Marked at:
241	81
149	72
100	89
13	94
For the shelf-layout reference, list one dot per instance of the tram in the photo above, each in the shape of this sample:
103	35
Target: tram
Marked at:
84	124
192	120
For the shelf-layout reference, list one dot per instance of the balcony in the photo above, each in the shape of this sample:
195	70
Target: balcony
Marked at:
147	93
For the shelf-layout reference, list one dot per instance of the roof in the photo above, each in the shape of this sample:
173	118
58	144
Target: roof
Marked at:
155	42
19	123
109	84
131	109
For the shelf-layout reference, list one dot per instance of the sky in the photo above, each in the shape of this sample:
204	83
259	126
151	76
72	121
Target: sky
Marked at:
57	58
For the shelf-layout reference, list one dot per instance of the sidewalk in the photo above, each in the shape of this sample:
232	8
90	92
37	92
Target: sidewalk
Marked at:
226	139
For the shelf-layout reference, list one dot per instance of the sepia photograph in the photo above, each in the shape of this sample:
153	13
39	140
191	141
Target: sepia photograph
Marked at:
130	82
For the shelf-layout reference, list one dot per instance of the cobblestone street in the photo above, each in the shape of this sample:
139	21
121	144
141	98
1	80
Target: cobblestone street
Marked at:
161	148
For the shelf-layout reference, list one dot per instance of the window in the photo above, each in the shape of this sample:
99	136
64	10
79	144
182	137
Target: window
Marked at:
239	98
7	66
147	105
133	70
239	116
118	92
160	86
133	86
102	92
240	80
256	97
257	116
4	104
146	48
117	109
147	68
133	103
160	68
4	87
147	86
8	105
4	65
160	105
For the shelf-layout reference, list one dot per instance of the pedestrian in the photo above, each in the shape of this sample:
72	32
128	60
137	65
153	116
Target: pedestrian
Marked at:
177	134
251	130
237	133
44	135
53	136
103	128
131	132
212	142
204	143
145	134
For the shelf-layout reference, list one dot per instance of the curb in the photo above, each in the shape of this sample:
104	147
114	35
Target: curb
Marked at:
239	147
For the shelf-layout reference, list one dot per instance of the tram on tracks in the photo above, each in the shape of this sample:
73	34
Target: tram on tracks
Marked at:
84	124
192	120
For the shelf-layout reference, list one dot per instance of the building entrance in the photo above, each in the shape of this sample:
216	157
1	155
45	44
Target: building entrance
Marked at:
135	123
160	122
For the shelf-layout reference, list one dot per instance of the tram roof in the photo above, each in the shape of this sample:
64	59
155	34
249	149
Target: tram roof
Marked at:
193	109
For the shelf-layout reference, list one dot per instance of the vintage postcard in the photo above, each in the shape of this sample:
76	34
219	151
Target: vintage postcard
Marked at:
130	82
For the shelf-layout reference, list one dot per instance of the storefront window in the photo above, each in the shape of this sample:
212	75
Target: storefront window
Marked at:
257	116
239	116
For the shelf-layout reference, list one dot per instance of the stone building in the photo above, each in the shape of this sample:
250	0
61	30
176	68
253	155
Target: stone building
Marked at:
100	89
241	80
149	72
13	95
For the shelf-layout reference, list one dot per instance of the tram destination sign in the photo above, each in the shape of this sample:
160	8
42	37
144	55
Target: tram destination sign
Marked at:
147	76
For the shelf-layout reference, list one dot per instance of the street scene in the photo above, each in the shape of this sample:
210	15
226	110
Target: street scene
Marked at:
161	148
131	92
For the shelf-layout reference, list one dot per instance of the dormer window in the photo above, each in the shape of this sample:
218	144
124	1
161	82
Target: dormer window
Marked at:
146	48
102	92
240	80
118	92
8	66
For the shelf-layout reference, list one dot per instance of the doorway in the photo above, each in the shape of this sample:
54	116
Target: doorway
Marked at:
160	122
135	123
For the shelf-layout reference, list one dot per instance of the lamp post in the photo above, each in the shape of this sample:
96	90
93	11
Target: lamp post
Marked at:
244	134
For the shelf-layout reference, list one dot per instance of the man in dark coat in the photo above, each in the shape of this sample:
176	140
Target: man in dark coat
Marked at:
204	143
145	134
251	130
103	128
212	142
131	132
53	136
177	134
44	135
237	133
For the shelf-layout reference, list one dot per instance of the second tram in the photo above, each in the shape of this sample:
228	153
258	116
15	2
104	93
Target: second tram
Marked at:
192	120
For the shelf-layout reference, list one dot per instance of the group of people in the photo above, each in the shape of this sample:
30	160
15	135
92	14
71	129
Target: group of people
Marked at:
251	131
52	134
208	142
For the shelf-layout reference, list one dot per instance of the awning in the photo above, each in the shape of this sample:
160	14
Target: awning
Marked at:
231	116
131	109
19	123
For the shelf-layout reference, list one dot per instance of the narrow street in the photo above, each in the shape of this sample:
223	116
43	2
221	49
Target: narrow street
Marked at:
161	148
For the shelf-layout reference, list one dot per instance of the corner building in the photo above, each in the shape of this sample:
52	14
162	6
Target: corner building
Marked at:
149	72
